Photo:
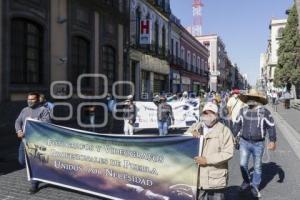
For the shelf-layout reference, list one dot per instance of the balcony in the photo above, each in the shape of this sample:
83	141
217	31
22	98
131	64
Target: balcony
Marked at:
161	6
175	60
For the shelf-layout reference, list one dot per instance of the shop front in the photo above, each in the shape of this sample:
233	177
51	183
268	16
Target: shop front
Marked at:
185	83
175	82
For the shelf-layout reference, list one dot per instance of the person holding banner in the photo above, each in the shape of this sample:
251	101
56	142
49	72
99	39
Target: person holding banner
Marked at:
217	150
129	116
34	110
165	116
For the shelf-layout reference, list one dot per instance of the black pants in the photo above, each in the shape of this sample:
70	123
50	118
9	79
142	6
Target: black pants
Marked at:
211	194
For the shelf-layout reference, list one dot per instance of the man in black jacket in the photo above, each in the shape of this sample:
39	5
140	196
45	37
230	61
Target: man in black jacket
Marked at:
251	126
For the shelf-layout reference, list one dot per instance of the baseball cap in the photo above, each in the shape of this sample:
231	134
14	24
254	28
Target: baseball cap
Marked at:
210	107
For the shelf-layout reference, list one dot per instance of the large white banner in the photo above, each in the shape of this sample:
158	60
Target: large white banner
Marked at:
185	114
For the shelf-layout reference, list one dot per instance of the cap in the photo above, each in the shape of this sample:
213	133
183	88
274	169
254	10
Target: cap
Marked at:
210	107
130	97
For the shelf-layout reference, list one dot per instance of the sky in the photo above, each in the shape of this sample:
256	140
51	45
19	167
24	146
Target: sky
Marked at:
243	26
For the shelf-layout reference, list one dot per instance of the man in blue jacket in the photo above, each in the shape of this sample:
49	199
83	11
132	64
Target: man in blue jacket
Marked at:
34	110
252	124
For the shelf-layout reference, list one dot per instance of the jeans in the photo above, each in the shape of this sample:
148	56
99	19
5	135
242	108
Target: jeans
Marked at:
21	156
163	128
256	149
128	128
21	159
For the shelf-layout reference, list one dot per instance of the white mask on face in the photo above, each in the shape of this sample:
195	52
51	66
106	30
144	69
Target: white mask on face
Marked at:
210	119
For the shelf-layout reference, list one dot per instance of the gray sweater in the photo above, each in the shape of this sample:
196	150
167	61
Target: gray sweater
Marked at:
39	113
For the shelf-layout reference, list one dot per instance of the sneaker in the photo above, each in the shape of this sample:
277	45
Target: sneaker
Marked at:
255	192
245	186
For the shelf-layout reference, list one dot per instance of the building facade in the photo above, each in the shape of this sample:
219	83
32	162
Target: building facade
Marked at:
217	60
194	76
149	67
269	59
47	41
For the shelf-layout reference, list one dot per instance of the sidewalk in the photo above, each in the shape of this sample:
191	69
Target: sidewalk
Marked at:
291	116
287	121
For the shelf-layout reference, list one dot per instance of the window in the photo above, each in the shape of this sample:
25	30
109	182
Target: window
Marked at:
176	49
109	64
280	33
172	46
198	65
183	53
80	63
156	39
163	34
194	63
138	20
26	52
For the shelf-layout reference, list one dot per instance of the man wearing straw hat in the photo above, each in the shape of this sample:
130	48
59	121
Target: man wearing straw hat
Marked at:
251	126
217	150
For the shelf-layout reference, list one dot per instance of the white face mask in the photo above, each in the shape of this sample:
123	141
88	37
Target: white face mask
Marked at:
210	119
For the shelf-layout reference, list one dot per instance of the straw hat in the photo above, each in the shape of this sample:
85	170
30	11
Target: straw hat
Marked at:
255	96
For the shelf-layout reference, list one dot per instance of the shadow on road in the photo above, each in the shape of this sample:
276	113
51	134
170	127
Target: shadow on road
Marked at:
233	193
270	170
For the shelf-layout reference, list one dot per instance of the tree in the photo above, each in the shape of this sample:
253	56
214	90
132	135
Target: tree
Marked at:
288	67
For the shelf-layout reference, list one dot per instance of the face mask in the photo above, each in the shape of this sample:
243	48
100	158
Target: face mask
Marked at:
252	104
210	120
31	104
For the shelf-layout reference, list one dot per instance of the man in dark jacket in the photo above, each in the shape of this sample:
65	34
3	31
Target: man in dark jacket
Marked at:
164	116
34	110
129	116
251	126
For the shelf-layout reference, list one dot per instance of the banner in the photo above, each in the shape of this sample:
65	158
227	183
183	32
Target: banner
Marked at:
115	167
185	114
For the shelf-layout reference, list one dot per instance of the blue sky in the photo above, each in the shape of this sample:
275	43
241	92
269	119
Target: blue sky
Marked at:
242	24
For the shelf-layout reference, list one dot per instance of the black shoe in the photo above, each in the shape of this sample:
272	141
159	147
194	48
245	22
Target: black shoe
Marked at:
255	192
33	190
245	186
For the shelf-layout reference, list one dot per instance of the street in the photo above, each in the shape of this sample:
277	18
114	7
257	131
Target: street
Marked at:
281	178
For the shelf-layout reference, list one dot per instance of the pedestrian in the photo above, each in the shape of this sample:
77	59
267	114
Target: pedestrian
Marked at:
111	105
46	103
91	113
252	124
164	116
234	106
274	97
217	150
185	96
129	116
34	110
156	100
287	99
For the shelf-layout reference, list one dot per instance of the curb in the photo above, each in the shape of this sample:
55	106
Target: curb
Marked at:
289	133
